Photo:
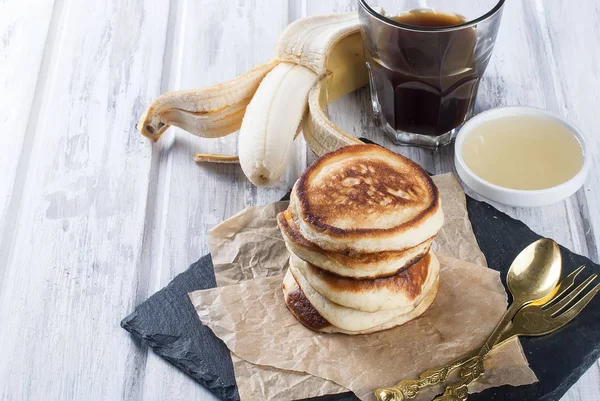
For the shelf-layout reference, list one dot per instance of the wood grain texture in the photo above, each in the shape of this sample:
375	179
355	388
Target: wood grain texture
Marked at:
94	218
21	23
73	266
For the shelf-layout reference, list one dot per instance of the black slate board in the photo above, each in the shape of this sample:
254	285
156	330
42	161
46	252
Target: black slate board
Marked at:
168	323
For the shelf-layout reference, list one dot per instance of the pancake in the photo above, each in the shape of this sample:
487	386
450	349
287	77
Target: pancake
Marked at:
400	293
306	314
349	263
300	307
368	199
348	319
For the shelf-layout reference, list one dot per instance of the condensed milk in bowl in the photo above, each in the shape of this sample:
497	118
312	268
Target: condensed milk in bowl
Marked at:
521	156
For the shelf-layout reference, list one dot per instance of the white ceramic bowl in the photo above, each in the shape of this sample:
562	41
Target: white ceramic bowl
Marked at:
517	197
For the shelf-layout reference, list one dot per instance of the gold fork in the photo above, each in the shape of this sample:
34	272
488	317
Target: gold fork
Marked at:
536	319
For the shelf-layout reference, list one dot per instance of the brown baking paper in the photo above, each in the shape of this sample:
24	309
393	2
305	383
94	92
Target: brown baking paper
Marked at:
249	246
257	382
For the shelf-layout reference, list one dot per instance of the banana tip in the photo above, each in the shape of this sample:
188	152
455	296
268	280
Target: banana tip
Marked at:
151	132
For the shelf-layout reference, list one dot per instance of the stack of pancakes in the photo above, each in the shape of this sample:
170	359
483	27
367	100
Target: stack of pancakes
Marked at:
359	228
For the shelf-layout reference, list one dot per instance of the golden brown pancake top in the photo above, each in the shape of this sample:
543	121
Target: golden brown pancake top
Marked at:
364	187
409	281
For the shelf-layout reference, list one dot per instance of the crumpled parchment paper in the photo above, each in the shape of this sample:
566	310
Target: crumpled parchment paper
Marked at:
277	358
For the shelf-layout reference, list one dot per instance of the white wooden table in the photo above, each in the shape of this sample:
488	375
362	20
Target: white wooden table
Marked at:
94	218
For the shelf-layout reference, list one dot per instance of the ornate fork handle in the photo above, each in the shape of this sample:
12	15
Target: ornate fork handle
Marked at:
408	389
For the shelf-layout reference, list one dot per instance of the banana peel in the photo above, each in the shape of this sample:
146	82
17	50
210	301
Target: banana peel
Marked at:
328	54
210	112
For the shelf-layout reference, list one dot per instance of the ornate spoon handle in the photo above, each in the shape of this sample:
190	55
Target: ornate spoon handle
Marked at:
408	389
459	391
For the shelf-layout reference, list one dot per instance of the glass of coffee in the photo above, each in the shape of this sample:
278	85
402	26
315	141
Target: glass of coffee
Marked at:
425	60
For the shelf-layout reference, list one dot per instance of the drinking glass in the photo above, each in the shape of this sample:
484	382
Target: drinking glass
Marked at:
425	60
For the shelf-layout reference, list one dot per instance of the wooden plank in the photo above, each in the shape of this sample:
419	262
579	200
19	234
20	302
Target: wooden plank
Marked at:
211	41
21	23
568	39
73	267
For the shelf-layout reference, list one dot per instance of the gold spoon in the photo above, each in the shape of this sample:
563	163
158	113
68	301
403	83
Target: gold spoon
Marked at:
532	276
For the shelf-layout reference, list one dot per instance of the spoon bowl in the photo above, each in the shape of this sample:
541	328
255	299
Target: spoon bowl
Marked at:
535	272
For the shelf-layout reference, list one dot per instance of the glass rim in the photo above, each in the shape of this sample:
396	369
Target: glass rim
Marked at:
416	28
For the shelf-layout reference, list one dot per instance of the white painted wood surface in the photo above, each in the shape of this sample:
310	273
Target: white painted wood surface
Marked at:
94	218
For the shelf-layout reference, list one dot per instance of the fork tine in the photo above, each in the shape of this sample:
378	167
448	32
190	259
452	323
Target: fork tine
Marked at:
574	310
563	303
563	286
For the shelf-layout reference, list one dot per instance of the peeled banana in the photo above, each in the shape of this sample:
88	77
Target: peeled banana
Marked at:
271	121
317	60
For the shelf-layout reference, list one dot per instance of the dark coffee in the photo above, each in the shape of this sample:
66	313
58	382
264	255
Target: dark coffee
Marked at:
429	18
424	81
